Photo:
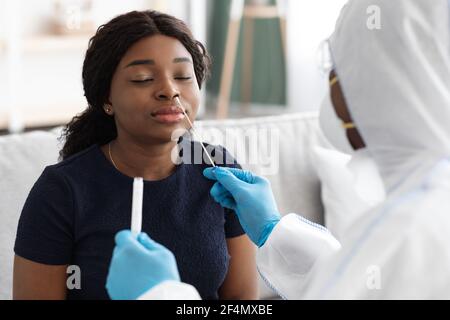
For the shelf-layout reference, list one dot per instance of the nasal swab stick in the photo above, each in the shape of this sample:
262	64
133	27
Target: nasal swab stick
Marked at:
136	209
194	132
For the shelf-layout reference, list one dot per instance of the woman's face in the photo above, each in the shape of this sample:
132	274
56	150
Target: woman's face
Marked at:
152	73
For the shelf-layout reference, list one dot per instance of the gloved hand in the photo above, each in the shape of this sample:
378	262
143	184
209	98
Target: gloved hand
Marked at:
137	265
249	196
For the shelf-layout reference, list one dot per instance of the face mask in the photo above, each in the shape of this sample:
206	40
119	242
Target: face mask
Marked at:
331	126
367	181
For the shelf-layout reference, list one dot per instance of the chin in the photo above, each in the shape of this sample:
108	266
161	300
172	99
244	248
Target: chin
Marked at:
168	134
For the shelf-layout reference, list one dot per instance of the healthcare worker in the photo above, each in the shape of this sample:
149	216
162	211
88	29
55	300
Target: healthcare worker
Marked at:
390	88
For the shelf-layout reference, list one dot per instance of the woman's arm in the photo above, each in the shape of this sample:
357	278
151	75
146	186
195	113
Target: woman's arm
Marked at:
241	282
35	281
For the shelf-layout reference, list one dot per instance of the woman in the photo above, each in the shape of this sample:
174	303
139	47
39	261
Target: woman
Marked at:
135	68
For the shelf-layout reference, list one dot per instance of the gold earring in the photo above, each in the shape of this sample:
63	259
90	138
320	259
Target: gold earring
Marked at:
108	109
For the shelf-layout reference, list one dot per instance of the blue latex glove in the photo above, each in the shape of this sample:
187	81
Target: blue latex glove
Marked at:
137	265
249	196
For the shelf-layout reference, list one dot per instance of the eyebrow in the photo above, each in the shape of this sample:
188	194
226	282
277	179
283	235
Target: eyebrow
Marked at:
180	60
140	62
152	62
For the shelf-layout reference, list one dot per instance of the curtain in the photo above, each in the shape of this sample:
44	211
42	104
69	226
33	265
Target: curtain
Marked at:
268	69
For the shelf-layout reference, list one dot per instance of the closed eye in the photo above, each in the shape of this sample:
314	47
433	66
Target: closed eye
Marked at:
142	81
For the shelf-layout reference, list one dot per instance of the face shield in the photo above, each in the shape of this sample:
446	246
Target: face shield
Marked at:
332	126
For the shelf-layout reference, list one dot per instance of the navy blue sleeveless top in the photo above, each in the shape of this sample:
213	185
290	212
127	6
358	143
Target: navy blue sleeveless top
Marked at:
77	206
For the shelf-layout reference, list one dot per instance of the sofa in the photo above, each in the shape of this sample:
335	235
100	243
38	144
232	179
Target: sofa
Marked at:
294	178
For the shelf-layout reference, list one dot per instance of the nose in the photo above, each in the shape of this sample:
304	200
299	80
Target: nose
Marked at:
168	91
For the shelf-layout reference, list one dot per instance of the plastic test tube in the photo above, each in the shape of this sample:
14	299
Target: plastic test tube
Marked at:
136	209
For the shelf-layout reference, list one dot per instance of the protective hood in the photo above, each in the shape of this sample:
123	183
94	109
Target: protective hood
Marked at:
396	80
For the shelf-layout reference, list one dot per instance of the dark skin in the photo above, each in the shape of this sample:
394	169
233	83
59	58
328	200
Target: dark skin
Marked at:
143	149
340	106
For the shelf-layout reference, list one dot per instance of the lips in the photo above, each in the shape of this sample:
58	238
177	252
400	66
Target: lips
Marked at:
167	110
168	115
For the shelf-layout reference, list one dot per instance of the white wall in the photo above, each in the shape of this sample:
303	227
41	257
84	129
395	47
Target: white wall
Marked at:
309	23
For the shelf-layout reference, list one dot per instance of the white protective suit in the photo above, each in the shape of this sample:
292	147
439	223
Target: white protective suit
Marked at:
396	82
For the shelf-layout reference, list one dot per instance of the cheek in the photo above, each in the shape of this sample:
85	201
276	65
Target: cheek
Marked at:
196	103
124	98
194	99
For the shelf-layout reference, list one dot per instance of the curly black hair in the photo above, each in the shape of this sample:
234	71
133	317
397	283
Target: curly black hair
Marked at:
106	49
